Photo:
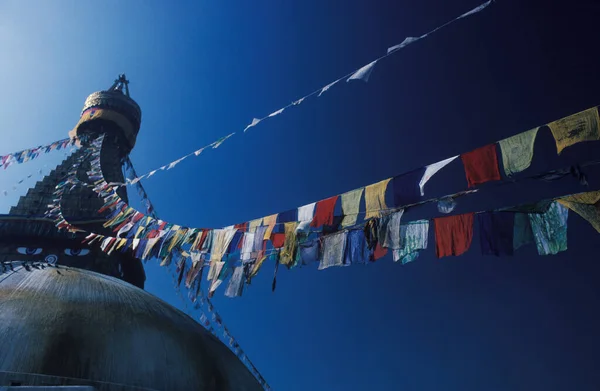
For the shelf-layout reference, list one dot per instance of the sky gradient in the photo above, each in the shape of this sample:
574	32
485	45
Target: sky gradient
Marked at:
201	70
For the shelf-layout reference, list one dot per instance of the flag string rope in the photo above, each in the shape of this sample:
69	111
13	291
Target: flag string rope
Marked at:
95	149
361	73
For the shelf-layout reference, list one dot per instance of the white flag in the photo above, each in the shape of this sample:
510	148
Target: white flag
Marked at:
475	10
363	73
407	41
273	114
296	103
254	122
173	164
328	86
198	152
218	143
431	170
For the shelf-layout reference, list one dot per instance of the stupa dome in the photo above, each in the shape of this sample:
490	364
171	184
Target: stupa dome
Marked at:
67	326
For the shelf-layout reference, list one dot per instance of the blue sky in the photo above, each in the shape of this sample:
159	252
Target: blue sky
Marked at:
201	70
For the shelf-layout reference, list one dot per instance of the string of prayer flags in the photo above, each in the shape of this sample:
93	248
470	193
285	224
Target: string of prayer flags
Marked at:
375	198
550	229
481	165
351	206
453	234
496	233
324	212
517	151
413	239
363	73
407	41
33	153
576	128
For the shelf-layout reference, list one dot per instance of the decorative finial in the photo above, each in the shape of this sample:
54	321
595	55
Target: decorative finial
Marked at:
120	84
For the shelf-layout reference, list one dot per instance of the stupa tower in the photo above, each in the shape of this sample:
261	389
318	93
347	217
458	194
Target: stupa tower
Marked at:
86	322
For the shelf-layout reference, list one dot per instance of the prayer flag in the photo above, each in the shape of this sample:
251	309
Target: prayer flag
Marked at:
254	224
522	234
297	102
517	151
586	205
333	249
357	250
273	114
496	233
254	122
236	283
308	252
406	187
413	239
220	141
278	240
481	165
475	10
576	128
288	252
351	206
431	170
389	230
407	41
453	234
247	246
550	229
363	73
375	198
324	212
327	87
306	212
270	222
288	215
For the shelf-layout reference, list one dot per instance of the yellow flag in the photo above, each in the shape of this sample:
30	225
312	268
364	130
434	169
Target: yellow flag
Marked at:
375	198
269	221
576	128
586	205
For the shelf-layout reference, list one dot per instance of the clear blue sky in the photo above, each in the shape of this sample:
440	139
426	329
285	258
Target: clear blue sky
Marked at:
201	70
